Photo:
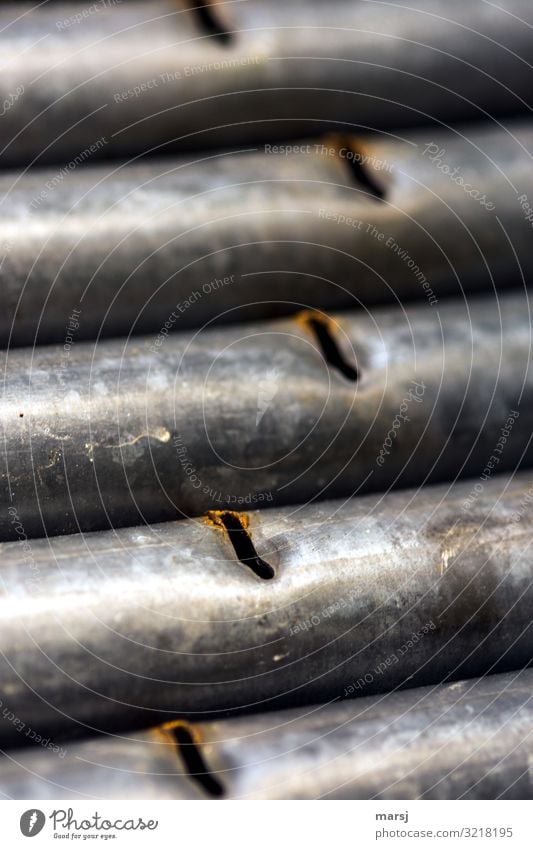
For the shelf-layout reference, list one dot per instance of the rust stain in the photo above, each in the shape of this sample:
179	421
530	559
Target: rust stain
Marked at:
305	318
164	732
353	143
214	518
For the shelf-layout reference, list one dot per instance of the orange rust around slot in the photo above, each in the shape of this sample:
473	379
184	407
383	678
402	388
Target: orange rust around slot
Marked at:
352	142
214	518
166	729
305	317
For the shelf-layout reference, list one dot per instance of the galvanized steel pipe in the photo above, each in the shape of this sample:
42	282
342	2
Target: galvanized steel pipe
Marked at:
124	78
250	611
147	766
154	428
325	224
467	740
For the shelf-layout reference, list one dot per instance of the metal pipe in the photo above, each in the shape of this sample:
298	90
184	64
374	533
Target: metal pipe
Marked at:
147	766
154	428
467	740
326	224
130	77
254	611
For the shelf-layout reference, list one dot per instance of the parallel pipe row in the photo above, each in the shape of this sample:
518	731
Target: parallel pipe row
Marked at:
467	740
288	535
328	223
135	76
238	612
148	429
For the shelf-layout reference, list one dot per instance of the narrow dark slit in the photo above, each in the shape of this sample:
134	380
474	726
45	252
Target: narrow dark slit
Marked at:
361	174
330	350
244	547
208	20
195	764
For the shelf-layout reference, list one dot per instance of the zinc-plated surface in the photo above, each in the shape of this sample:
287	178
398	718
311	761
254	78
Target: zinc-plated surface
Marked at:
128	77
244	236
146	766
153	428
467	740
131	627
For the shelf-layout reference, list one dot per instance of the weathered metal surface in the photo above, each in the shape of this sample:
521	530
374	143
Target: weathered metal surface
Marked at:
147	766
467	740
123	78
325	224
127	628
154	428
